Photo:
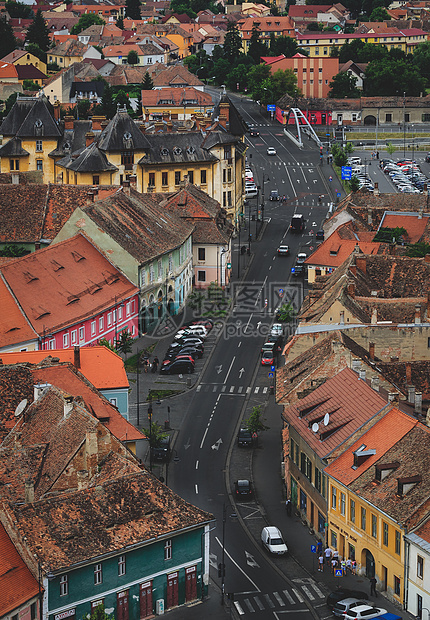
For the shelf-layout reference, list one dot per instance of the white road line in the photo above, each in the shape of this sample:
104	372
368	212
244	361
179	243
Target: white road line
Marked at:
289	597
248	604
214	389
239	389
256	390
197	490
279	599
317	590
299	596
249	320
223	389
240	344
258	603
239	608
204	437
257	589
269	601
229	370
265	390
231	389
197	464
308	593
248	390
199	387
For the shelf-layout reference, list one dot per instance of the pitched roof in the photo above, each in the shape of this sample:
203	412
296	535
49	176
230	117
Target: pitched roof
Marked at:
71	47
14	326
177	96
414	224
122	133
39	121
92	159
177	147
176	75
65	283
7	70
17	584
13	147
334	250
349	403
236	124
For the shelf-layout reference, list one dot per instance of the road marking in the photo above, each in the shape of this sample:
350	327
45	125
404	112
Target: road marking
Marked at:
197	464
204	437
240	344
257	589
197	490
256	390
269	601
248	390
299	596
214	389
258	603
223	388
228	372
249	320
239	608
317	590
289	597
279	599
265	390
308	593
199	387
239	389
231	389
248	604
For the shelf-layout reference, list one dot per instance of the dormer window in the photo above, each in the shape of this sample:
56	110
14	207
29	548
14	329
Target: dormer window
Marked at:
382	470
177	150
361	455
404	485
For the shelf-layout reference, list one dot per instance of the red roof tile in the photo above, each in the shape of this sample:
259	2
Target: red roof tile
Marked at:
335	250
413	224
14	327
17	584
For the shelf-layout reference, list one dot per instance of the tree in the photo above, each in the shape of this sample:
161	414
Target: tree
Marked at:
232	43
34	49
124	342
354	184
339	155
343	85
238	75
7	38
30	85
314	27
390	148
284	82
52	67
19	9
221	70
108	104
254	423
132	9
285	313
421	59
154	433
38	32
132	57
99	613
418	250
379	14
83	109
120	23
350	51
283	45
87	20
256	76
379	78
147	83
256	48
103	342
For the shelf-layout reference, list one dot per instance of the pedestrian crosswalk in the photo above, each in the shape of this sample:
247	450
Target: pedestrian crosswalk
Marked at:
231	389
252	602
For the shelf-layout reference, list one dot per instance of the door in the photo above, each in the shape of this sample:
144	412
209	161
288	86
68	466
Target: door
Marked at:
311	519
190	584
172	590
384	578
122	605
146	599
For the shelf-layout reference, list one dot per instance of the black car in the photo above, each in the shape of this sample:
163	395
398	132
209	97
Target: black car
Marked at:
341	593
190	341
177	367
274	195
193	350
244	438
161	452
427	158
319	235
254	133
243	489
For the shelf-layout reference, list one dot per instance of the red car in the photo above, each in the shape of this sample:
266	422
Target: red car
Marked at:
267	359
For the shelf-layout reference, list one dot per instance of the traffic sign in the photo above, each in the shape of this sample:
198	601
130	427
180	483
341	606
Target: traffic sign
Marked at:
272	368
228	265
271	107
338	572
346	173
338	194
313	548
271	375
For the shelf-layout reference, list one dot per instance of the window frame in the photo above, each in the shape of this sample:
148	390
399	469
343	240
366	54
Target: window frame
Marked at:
98	574
122	566
363	518
420	567
333	498
168	549
64	585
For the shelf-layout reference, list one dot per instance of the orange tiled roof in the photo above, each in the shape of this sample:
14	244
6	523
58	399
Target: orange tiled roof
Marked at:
413	224
14	327
17	584
335	250
101	366
381	437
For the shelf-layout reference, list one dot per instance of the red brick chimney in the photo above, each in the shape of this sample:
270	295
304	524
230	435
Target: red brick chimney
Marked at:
408	373
351	289
133	181
224	114
89	138
68	122
126	186
76	357
57	106
97	122
360	261
427	258
372	351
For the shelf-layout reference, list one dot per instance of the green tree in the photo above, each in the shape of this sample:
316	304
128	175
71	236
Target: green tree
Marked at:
254	423
220	70
132	9
418	250
390	149
421	59
147	83
285	313
379	78
354	184
283	45
284	82
256	48
122	99
238	75
108	103
38	32
256	76
19	9
379	14
314	27
14	251
124	342
343	85
7	38
99	613
232	43
30	85
339	155
154	434
83	109
350	51
132	57
87	20
34	49
120	23
52	67
103	342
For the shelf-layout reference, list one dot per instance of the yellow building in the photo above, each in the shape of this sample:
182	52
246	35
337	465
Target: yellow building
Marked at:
67	53
378	491
319	44
22	57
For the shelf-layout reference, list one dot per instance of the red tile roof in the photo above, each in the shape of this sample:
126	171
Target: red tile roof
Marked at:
101	366
414	225
335	250
17	584
349	403
381	437
14	327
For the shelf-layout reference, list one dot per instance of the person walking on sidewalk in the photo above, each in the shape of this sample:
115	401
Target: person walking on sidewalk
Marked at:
373	587
327	554
319	547
288	507
321	563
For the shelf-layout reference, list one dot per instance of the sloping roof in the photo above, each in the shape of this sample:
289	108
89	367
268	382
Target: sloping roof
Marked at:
349	403
176	75
87	87
14	327
236	123
121	134
334	250
176	147
414	225
17	584
92	159
39	121
178	96
101	366
13	148
380	437
16	116
7	70
28	72
65	283
71	47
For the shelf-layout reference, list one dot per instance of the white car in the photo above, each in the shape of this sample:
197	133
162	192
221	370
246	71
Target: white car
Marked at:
271	150
277	330
193	330
363	612
248	175
271	539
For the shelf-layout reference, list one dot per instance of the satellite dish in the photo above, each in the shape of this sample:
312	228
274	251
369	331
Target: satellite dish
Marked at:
326	419
315	427
20	408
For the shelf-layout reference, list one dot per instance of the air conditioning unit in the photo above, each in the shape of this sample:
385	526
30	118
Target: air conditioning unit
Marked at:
159	607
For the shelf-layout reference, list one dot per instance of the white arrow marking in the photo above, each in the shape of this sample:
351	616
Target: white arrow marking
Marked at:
219	368
241	371
258	324
250	560
213	560
314	223
188	444
314	180
217	444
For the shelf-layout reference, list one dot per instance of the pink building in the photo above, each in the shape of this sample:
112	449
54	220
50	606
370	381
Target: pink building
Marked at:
313	74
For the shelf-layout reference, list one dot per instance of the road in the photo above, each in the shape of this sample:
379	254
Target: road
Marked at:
214	414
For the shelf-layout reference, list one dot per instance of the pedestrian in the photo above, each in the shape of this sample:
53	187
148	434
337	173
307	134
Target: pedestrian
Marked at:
145	364
319	547
353	567
327	554
155	364
321	563
377	154
349	565
288	506
373	587
343	566
265	303
336	555
333	565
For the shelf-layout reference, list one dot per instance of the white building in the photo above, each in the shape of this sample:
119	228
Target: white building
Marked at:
417	586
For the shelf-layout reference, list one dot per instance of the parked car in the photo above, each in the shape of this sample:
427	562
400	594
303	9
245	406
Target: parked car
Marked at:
271	539
192	330
268	358
172	354
271	150
346	604
190	340
283	250
301	257
341	593
269	346
251	192
319	235
207	323
177	347
244	438
243	489
364	612
162	451
177	367
277	330
183	356
427	158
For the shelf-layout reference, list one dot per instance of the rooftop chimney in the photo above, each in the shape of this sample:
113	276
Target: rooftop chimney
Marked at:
393	397
76	357
91	449
417	314
56	107
374	383
418	402
89	138
142	128
29	491
408	373
362	375
374	318
356	364
411	394
68	406
97	122
169	126
133	181
376	189
427	258
360	261
82	479
372	351
90	196
126	186
224	114
420	214
351	289
68	122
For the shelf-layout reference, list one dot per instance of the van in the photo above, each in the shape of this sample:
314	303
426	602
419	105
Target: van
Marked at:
354	160
251	192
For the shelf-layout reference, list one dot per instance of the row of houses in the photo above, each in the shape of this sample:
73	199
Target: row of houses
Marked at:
354	391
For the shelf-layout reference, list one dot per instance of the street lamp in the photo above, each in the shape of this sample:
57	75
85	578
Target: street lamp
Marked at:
404	124
413	143
115	311
266	179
